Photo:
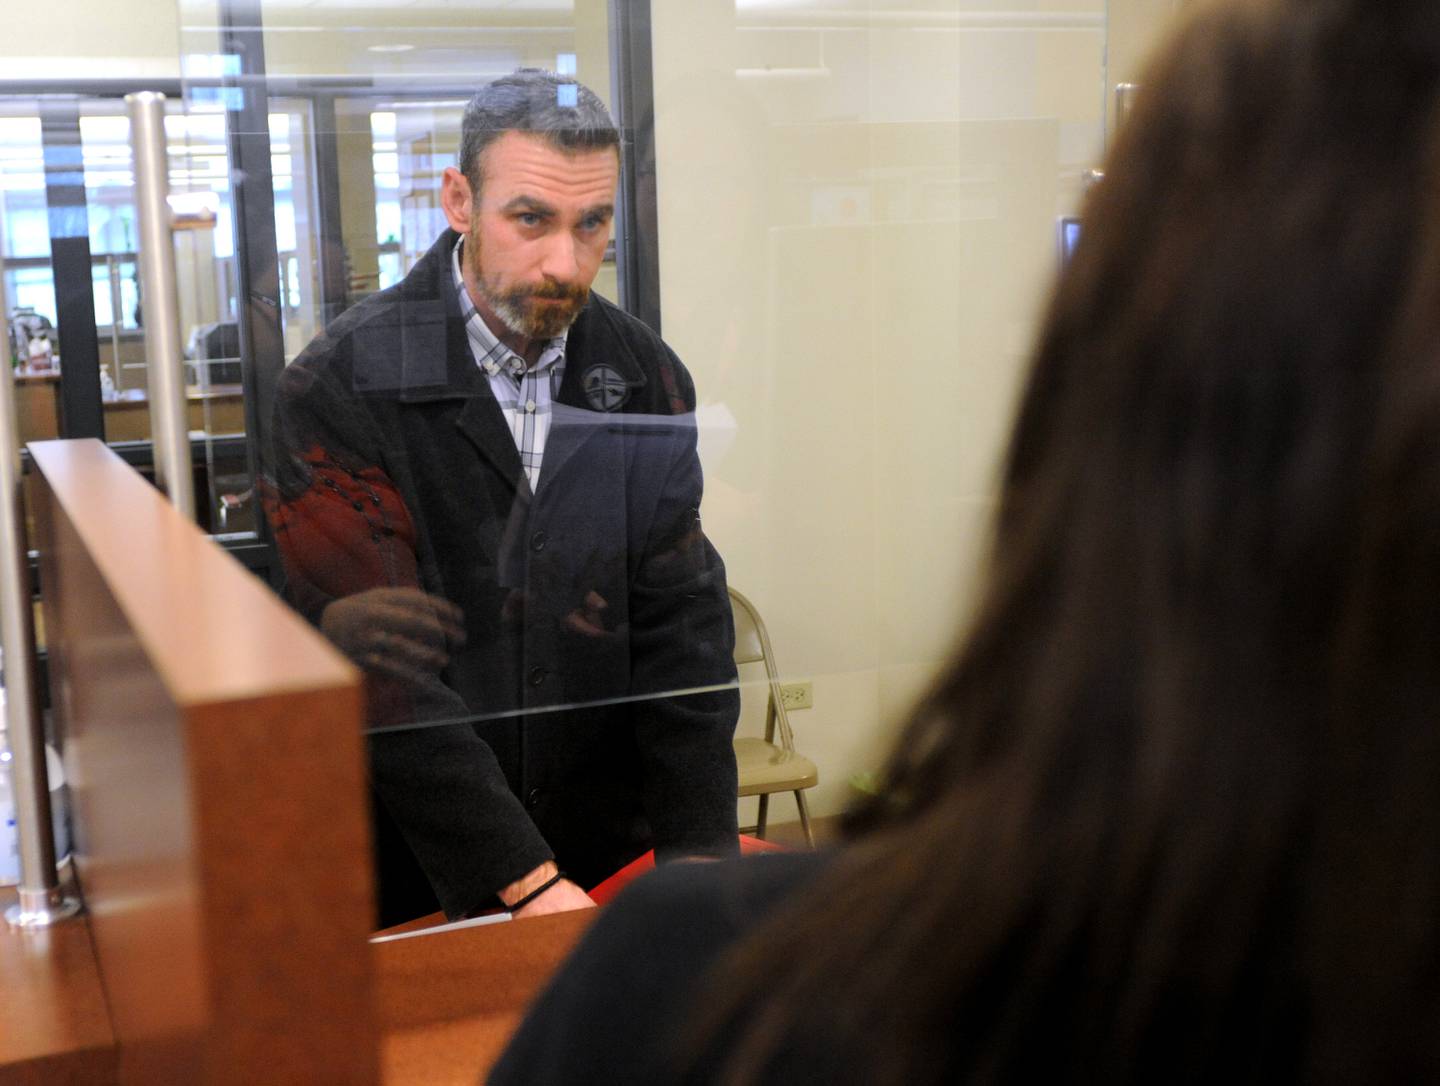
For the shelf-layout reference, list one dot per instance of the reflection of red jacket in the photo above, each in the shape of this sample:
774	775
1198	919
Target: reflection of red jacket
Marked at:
346	532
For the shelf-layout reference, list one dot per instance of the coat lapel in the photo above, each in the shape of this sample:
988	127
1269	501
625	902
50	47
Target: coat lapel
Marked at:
480	418
482	421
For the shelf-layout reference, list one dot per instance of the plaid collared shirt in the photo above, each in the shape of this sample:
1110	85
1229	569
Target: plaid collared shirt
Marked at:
524	395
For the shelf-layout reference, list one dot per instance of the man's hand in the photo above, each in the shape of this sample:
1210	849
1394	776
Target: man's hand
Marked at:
588	619
562	897
401	632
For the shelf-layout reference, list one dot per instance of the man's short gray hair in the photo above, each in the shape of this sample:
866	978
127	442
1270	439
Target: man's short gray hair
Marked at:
566	114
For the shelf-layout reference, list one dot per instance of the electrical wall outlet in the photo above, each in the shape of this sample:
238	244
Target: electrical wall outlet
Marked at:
797	695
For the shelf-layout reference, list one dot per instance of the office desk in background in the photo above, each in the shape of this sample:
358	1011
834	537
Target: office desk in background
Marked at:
219	409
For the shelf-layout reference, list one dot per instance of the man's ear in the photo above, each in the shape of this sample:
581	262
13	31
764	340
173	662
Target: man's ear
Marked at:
455	199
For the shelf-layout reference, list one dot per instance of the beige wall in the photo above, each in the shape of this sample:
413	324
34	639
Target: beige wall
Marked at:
1135	28
90	39
857	231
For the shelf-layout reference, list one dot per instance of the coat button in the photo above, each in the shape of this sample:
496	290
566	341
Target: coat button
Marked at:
532	799
538	541
538	675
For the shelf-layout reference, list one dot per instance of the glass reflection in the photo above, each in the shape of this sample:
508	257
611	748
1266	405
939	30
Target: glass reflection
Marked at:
859	206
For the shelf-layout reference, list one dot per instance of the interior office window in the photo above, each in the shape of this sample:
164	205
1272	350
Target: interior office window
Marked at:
27	288
283	178
24	223
116	284
426	134
113	225
385	157
294	181
32	288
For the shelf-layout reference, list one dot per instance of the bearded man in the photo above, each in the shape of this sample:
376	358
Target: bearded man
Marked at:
486	491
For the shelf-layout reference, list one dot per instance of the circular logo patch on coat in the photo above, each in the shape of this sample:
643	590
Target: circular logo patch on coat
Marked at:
604	387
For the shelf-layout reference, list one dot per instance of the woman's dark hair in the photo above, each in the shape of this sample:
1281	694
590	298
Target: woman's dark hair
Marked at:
1173	810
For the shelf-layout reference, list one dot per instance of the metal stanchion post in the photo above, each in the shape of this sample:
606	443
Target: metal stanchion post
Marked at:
169	430
41	902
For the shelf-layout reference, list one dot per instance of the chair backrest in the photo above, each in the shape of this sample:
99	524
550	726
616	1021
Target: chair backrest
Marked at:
752	646
749	648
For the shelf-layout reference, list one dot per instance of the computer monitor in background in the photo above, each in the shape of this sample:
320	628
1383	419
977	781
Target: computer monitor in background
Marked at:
215	351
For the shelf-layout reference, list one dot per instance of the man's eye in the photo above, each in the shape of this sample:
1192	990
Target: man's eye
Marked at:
528	218
592	222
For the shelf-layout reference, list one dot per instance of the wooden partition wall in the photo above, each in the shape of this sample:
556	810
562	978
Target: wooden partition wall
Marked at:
213	747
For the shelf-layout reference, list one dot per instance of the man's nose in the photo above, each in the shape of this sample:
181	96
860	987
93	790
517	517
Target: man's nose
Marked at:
560	261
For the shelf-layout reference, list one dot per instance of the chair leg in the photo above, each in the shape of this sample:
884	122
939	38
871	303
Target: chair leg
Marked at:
760	816
804	818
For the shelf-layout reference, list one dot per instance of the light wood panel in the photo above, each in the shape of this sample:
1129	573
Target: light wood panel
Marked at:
449	1001
54	1029
213	748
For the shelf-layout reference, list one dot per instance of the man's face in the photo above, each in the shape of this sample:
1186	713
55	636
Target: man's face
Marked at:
538	231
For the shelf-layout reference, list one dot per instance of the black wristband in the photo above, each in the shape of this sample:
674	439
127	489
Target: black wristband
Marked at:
533	894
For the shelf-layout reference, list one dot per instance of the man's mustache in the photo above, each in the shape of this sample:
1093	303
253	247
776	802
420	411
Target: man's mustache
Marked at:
559	292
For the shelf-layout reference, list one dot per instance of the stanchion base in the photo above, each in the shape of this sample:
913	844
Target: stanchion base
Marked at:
41	910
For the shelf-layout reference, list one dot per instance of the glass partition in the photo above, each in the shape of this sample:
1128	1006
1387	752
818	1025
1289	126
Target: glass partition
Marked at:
845	219
849	215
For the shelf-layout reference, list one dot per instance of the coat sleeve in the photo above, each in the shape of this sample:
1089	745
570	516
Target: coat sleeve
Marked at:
342	528
683	639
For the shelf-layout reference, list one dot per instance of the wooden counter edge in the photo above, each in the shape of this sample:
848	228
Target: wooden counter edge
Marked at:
54	1025
495	969
448	1002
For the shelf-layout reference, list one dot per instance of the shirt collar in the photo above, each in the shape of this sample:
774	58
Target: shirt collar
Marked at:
491	355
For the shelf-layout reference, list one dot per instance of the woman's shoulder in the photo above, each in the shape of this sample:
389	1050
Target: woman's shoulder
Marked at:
628	983
724	894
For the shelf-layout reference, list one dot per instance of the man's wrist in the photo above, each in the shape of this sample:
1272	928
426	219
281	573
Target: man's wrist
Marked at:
528	883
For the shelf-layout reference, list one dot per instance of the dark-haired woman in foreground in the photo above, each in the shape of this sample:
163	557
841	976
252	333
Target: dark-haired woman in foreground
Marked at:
1173	812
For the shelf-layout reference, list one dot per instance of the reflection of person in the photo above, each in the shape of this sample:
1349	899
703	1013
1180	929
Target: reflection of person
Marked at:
487	493
1173	812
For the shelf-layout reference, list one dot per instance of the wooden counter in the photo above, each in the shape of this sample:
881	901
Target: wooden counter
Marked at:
54	1027
37	409
219	409
448	1002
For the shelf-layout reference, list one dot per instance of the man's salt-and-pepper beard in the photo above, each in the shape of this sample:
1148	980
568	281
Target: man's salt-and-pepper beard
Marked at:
515	306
